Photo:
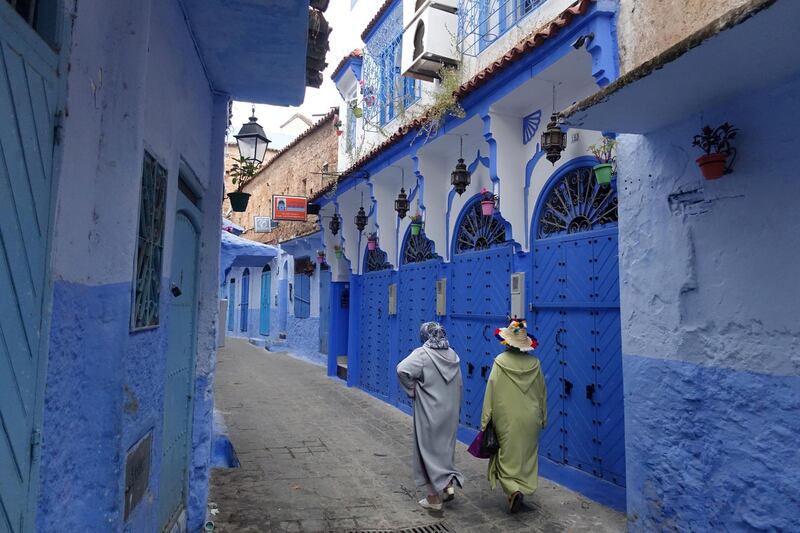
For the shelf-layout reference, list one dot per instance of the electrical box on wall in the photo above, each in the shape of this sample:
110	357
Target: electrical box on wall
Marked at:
518	294
441	297
393	299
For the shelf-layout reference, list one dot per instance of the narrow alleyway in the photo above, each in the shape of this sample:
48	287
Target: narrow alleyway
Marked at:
317	456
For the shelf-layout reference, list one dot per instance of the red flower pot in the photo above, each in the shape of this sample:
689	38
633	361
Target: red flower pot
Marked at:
487	207
712	165
371	245
320	259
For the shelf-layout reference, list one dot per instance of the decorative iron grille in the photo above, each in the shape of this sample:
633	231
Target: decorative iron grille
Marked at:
577	203
482	22
479	232
150	249
418	248
385	93
376	260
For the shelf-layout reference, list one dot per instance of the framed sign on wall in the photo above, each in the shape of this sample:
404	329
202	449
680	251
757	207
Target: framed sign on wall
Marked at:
291	208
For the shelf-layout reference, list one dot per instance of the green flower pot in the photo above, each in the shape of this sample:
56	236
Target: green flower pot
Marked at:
603	173
415	229
358	112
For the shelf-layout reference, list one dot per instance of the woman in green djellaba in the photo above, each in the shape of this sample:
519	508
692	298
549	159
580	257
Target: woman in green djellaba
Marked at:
515	403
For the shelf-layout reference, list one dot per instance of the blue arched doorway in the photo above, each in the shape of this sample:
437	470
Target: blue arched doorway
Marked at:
231	304
478	298
576	317
245	304
266	291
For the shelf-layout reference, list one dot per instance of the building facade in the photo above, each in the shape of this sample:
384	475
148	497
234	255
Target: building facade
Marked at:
546	251
659	300
114	118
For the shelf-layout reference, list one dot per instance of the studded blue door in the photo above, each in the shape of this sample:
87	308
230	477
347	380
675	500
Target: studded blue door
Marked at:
575	293
375	351
28	100
181	347
416	298
266	290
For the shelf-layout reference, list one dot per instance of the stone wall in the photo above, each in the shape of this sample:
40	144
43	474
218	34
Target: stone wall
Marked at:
292	171
648	27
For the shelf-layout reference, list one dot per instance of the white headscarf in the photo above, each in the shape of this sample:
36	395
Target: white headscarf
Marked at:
433	335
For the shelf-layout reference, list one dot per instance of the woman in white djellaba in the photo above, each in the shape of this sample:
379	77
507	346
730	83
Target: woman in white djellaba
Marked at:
431	375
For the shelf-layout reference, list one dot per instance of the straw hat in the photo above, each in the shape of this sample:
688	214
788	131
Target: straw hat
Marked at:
516	336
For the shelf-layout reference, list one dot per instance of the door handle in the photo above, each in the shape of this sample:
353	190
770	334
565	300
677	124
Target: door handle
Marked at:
380	313
485	329
567	387
590	391
176	291
558	339
470	369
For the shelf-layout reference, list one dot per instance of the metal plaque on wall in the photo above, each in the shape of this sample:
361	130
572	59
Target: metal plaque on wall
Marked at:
137	472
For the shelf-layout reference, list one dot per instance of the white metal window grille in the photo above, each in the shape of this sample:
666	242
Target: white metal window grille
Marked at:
385	92
150	245
482	22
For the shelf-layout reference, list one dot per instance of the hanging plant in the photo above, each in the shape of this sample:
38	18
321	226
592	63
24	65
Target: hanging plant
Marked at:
716	143
337	251
604	152
320	256
338	127
488	202
242	171
444	102
372	241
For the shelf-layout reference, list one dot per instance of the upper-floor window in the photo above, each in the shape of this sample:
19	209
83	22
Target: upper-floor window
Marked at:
482	22
385	92
41	15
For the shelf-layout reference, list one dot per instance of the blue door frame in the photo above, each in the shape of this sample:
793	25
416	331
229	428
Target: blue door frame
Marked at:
231	304
266	291
245	305
180	363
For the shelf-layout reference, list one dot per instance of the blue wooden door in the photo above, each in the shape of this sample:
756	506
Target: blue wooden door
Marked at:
324	309
181	348
575	294
231	304
28	98
302	296
479	296
416	304
375	351
266	290
244	308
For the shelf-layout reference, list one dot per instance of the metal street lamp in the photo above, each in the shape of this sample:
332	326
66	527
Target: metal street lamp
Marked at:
361	219
460	177
252	141
554	140
335	224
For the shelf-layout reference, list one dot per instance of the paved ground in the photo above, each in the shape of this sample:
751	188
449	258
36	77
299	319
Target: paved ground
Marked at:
317	456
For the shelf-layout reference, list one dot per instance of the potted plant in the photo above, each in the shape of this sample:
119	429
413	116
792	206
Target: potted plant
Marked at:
309	269
416	223
320	256
716	143
338	127
604	152
337	251
372	241
357	111
488	202
241	172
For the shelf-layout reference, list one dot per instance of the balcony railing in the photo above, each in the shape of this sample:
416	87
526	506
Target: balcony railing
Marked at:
482	22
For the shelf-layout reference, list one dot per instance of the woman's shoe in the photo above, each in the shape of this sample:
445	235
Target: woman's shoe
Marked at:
431	506
449	493
515	502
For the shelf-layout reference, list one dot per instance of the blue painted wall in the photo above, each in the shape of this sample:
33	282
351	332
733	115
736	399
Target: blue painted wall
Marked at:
709	303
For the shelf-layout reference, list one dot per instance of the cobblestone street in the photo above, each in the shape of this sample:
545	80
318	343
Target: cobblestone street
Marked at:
318	456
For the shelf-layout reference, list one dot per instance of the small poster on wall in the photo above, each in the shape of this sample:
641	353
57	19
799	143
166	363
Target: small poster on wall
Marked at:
291	208
262	224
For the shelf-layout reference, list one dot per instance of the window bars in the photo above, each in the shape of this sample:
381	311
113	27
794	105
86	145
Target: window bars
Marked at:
482	22
150	245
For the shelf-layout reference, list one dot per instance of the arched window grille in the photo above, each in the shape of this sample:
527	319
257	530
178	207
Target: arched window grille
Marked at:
479	232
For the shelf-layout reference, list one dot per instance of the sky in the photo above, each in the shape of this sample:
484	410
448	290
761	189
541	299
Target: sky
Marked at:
343	39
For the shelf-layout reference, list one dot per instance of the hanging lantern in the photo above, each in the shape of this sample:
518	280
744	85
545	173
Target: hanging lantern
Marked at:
401	205
336	223
460	177
361	219
554	141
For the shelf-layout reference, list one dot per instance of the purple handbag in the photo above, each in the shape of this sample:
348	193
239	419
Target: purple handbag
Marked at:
476	449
